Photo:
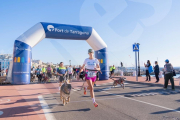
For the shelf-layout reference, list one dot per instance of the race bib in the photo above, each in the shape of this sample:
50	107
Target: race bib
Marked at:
91	74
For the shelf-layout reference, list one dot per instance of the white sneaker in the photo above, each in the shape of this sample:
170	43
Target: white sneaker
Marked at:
59	88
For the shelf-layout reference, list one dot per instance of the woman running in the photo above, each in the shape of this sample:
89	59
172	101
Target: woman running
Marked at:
92	66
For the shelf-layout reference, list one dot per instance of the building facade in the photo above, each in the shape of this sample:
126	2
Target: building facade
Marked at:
5	61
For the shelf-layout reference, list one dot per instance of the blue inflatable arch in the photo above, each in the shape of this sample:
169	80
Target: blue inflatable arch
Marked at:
23	47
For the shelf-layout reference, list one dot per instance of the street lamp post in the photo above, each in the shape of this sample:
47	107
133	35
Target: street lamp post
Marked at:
139	74
70	62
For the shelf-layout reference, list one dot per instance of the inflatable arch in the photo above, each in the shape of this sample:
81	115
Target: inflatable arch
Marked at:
23	47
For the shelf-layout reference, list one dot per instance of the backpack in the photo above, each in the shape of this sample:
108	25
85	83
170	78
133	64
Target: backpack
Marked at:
150	69
168	67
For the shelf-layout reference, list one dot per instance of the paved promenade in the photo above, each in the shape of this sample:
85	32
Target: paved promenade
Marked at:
25	102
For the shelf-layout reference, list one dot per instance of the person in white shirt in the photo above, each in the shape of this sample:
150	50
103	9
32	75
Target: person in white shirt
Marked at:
70	72
92	66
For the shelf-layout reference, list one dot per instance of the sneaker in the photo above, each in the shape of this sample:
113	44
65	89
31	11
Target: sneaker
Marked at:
173	89
95	104
59	88
85	91
165	88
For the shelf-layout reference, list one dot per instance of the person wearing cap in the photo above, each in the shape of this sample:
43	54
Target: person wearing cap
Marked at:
168	69
92	66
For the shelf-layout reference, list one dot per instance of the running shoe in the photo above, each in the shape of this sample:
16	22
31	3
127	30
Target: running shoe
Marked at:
95	104
85	91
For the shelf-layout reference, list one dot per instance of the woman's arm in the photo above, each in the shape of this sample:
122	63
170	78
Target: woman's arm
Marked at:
145	65
82	68
97	67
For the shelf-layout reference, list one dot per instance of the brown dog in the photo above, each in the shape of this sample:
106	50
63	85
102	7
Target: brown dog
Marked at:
65	93
119	81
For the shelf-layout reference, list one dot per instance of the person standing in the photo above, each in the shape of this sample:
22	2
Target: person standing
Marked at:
43	70
67	73
156	71
3	72
61	71
147	70
74	72
168	69
70	72
78	69
49	72
7	71
33	69
38	70
112	69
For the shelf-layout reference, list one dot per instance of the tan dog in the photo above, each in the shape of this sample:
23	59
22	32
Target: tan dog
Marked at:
120	81
65	93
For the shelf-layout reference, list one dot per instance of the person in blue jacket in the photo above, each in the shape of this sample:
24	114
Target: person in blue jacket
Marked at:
156	71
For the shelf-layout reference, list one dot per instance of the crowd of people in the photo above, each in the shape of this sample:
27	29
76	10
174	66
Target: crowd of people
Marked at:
3	72
90	71
168	72
48	71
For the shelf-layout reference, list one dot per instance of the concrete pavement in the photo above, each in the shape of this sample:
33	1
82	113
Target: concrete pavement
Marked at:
113	104
37	101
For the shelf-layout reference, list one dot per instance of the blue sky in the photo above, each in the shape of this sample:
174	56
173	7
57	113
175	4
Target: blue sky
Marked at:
152	23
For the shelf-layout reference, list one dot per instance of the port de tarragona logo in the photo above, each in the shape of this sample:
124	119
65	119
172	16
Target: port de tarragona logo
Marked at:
50	28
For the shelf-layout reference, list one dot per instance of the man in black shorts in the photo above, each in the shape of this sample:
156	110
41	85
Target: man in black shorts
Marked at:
61	71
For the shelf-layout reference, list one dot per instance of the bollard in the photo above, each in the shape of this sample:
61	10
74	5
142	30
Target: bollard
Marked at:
121	73
161	74
134	73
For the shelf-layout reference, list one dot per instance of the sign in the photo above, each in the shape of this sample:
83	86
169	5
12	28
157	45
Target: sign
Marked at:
135	48
62	31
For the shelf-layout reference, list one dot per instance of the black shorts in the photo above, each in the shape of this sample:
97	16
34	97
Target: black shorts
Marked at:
97	76
61	78
112	72
81	76
49	75
70	76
